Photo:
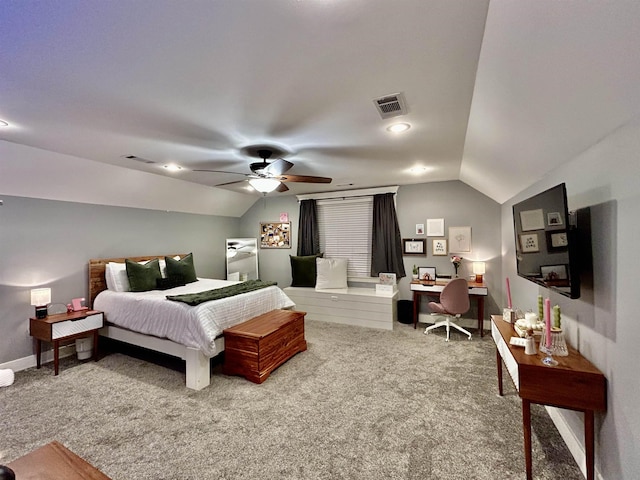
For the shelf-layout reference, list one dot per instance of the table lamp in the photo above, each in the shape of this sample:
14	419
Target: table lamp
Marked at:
40	297
479	270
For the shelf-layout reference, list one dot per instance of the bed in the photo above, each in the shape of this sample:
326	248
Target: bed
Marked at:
192	333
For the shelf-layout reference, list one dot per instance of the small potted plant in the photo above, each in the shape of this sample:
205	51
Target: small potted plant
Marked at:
415	272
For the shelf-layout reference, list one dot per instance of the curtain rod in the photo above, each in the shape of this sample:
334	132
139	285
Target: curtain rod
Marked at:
364	192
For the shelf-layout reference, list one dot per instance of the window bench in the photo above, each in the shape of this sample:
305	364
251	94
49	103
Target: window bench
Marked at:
350	306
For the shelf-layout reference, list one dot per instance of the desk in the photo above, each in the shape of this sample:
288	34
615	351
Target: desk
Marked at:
574	384
433	289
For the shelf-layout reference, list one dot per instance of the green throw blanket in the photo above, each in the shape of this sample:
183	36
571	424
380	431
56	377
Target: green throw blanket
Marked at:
218	293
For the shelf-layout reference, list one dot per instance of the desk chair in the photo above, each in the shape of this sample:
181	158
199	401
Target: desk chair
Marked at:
454	301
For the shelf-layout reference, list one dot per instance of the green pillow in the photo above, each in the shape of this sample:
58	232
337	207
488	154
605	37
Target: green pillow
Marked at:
303	270
182	267
143	277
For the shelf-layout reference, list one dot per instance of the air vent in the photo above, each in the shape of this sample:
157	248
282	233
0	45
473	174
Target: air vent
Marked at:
392	105
138	159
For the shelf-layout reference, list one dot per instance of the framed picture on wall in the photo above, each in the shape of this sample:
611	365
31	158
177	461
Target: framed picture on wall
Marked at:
414	246
460	239
275	235
435	227
439	246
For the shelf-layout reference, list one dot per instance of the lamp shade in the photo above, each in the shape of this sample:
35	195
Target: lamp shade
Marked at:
264	185
40	296
479	268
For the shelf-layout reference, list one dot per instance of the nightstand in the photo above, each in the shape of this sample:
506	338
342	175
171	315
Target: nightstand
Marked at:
65	326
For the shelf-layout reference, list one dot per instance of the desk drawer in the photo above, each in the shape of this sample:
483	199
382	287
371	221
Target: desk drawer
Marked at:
507	357
73	327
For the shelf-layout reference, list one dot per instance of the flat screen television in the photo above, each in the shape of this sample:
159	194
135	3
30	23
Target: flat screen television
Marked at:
547	242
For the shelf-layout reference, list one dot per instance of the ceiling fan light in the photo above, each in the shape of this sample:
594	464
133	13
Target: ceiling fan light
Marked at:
264	185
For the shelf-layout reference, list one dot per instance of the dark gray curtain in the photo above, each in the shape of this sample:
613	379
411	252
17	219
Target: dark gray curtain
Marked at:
386	243
308	234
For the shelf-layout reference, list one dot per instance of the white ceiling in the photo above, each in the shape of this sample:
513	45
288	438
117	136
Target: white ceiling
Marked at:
193	82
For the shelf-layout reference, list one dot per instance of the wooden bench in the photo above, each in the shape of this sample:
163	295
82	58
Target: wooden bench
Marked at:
255	348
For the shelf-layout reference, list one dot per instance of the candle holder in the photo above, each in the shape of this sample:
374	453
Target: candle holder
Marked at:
549	361
558	343
554	348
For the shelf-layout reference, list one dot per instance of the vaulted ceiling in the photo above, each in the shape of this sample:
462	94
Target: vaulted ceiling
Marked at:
498	93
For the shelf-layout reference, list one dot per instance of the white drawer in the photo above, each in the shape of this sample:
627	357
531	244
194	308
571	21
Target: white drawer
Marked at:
73	327
507	357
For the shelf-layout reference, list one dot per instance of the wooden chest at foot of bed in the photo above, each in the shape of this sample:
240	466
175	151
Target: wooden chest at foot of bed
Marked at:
255	348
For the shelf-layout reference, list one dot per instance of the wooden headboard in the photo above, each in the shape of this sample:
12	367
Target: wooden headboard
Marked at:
97	267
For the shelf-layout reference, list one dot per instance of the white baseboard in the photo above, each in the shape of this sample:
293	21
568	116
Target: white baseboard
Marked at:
575	444
30	361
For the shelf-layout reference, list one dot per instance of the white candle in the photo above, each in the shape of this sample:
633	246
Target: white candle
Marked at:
531	319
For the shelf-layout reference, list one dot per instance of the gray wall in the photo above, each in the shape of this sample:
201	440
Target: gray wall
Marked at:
46	243
603	324
460	206
456	202
273	263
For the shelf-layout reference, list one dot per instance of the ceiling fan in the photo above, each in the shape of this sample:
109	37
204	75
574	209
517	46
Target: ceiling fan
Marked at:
266	177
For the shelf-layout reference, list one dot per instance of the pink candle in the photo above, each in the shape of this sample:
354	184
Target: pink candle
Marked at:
508	294
547	321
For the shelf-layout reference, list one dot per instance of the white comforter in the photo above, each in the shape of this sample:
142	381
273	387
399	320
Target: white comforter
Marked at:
151	313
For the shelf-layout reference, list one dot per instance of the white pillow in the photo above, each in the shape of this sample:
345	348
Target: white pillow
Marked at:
116	274
331	273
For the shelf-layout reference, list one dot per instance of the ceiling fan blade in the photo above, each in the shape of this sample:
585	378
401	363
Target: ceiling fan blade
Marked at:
304	179
282	188
278	167
221	171
230	183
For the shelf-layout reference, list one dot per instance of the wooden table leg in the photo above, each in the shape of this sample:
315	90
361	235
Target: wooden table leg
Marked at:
416	308
526	426
56	356
588	443
499	365
38	352
481	314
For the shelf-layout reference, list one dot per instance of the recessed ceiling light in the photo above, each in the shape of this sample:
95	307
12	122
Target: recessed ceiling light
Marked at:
173	168
3	123
399	127
418	170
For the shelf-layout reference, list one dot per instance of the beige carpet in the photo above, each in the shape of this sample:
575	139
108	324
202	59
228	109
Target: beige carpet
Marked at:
358	404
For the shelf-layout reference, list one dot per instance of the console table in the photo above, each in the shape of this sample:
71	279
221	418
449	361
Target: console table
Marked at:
432	288
574	384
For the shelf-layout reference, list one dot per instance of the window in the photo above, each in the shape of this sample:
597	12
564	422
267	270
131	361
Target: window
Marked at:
345	231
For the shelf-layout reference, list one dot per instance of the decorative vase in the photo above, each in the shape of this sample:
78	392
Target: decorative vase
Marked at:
456	269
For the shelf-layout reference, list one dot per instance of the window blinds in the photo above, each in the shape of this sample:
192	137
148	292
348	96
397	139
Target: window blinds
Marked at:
345	232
